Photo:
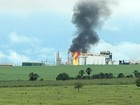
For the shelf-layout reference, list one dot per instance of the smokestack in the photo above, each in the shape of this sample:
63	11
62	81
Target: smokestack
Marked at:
88	15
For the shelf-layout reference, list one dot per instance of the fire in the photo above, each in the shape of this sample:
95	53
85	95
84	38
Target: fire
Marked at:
75	58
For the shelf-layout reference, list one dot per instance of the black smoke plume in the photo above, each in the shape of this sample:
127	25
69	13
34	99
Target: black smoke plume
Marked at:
88	15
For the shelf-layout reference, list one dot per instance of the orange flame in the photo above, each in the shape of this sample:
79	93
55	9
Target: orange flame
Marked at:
75	58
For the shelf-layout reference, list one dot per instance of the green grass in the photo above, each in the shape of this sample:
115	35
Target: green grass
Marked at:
16	90
50	72
67	95
25	83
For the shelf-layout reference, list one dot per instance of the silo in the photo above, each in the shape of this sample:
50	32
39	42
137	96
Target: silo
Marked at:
102	60
95	59
82	60
89	60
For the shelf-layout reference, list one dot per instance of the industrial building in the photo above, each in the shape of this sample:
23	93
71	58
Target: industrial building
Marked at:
33	64
105	57
6	64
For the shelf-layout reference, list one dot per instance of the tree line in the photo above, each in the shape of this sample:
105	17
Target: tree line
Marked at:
86	74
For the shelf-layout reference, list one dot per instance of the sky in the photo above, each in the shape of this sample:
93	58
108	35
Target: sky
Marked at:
35	30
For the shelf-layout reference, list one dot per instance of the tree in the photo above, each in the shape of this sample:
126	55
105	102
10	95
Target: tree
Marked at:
120	75
33	76
129	76
62	76
138	82
109	75
136	73
78	77
88	71
78	85
81	72
101	75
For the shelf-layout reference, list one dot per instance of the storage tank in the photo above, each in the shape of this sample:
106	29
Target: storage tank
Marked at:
82	60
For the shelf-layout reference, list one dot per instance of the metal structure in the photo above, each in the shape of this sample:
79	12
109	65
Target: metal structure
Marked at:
58	59
108	56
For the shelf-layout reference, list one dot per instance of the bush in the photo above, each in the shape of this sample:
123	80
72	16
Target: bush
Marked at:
136	73
138	82
33	76
86	77
78	77
62	76
120	75
102	76
41	79
109	75
129	76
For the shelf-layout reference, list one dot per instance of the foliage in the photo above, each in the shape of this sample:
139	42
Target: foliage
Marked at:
78	85
78	77
50	72
86	77
138	82
129	76
120	75
109	75
41	79
88	71
81	72
62	76
136	73
33	76
102	76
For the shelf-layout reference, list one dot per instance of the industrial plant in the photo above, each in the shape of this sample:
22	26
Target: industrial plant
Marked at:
77	58
105	57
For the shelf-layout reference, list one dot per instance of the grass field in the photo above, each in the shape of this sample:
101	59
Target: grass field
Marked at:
50	72
16	90
25	83
67	95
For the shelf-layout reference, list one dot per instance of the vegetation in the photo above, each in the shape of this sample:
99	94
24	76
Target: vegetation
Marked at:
25	83
50	72
47	91
78	85
88	71
81	72
62	76
33	76
67	95
138	82
136	73
102	76
120	75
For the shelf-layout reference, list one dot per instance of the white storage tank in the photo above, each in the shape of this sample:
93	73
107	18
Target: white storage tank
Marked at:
92	60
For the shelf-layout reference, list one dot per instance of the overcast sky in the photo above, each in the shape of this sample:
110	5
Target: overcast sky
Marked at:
34	30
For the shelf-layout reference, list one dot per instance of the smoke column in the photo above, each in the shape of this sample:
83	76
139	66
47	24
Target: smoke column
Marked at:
88	15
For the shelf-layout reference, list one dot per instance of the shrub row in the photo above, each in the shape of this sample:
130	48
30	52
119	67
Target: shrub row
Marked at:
65	76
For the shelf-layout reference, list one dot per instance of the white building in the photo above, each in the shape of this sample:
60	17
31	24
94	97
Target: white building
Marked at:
92	60
105	57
